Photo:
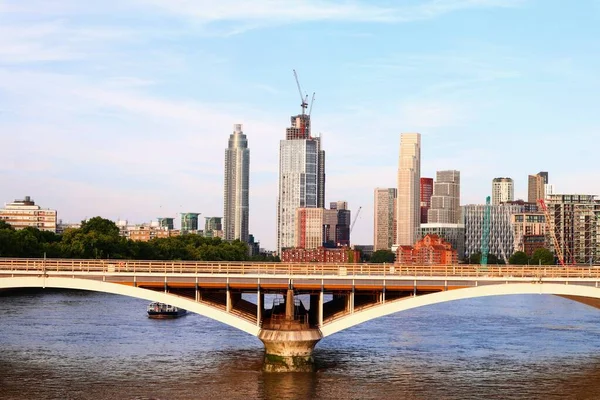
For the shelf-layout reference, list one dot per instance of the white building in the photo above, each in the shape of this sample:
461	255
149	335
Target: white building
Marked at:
25	213
237	180
445	201
503	190
301	178
409	189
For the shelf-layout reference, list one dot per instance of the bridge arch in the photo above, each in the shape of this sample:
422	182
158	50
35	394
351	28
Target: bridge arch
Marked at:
584	294
130	291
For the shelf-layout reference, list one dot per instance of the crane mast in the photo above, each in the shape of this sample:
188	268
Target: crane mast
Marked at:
485	233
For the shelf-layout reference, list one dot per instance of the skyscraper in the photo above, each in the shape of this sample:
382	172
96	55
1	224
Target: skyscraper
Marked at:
301	178
384	231
237	176
445	202
409	188
502	190
536	188
426	193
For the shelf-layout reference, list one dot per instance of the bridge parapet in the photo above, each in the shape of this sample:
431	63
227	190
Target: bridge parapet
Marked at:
49	265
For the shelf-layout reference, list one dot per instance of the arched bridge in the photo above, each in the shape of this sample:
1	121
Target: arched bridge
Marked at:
337	296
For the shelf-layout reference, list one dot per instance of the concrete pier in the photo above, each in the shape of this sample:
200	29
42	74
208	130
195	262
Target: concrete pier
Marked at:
289	351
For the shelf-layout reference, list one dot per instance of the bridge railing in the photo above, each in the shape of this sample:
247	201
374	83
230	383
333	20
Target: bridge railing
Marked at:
290	269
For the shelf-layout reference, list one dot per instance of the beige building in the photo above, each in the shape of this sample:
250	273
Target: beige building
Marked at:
25	213
309	227
445	201
527	224
409	189
535	188
384	230
503	190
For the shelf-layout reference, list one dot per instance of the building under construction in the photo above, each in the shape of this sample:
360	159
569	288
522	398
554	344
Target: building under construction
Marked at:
574	224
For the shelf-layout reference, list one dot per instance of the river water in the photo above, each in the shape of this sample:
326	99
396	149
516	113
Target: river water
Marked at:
83	345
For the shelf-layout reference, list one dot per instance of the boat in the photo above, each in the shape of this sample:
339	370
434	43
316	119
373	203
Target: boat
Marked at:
161	310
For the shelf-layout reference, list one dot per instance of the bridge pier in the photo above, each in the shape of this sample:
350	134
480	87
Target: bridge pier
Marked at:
289	351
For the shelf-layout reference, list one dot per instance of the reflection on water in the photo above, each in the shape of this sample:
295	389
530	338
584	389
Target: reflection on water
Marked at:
79	345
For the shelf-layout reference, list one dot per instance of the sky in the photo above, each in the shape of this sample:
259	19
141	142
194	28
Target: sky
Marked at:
123	108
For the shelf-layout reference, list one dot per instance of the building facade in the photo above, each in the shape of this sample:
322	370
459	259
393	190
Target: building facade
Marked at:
426	193
25	213
409	188
501	238
536	185
309	228
528	228
166	223
503	190
575	221
213	227
336	224
451	233
189	222
430	250
445	201
236	206
384	230
301	178
341	255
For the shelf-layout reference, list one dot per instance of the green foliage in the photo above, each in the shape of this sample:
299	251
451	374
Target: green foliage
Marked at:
519	258
383	256
475	258
542	257
99	238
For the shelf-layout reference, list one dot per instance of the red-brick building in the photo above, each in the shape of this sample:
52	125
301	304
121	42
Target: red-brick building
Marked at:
342	255
431	250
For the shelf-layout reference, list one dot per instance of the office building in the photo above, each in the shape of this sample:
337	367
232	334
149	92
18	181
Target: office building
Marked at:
426	193
167	223
501	236
236	207
384	230
502	190
189	222
409	186
445	201
213	227
309	228
529	231
25	213
301	178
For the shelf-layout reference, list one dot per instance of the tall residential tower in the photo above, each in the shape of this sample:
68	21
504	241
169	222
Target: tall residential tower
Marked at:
503	190
237	177
409	189
301	178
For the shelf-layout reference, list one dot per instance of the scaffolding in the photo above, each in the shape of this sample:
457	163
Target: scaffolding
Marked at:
574	223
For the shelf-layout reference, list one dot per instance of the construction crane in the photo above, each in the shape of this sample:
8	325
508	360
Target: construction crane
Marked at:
303	99
551	229
485	233
355	219
311	104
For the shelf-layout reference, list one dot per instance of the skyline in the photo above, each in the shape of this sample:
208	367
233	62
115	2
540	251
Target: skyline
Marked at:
123	109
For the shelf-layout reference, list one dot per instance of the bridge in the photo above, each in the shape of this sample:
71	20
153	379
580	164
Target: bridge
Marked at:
336	296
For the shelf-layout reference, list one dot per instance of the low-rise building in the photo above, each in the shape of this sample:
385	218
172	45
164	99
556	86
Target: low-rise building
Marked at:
431	250
25	213
340	255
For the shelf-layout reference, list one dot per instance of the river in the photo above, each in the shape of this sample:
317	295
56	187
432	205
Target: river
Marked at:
83	345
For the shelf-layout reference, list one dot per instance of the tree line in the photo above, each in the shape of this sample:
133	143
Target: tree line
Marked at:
99	238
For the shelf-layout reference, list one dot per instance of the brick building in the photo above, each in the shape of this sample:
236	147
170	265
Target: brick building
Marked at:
431	250
342	255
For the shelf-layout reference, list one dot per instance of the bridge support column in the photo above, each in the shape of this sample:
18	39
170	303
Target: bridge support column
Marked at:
289	351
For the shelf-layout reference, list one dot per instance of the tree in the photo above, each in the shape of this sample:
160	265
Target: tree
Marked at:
542	256
100	225
475	258
519	258
5	225
383	256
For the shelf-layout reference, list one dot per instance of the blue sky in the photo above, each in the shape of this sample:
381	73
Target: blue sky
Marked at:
123	108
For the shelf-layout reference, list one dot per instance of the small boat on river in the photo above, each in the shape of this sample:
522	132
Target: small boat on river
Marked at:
161	310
